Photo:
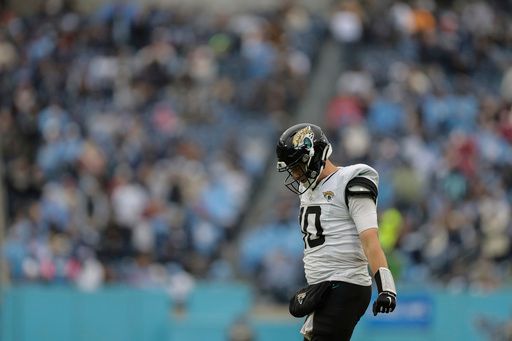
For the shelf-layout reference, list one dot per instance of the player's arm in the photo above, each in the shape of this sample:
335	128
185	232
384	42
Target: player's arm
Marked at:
361	197
372	249
386	301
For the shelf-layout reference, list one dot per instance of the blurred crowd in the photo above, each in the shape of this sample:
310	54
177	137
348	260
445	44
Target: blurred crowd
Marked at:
426	99
132	138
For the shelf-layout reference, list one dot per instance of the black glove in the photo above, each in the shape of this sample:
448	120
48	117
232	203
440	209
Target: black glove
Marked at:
385	303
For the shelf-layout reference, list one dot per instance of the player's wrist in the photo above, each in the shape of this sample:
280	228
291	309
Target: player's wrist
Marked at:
384	281
388	293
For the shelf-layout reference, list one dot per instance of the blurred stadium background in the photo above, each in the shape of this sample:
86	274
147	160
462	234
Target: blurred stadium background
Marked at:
139	198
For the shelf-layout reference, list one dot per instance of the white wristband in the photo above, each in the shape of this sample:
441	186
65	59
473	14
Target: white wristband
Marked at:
385	281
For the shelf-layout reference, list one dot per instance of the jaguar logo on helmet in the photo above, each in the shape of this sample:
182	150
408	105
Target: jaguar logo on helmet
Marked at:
304	137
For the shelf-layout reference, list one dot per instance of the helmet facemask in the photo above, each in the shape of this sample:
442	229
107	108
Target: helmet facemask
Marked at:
302	151
304	165
299	172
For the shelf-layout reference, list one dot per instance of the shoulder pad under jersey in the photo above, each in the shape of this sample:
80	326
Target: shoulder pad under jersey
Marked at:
363	182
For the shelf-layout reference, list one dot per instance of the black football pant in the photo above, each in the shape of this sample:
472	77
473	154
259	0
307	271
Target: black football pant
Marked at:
337	317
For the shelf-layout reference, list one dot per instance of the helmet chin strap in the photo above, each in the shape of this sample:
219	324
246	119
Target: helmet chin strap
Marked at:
327	152
316	176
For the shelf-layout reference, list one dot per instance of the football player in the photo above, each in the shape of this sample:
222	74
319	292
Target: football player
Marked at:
338	219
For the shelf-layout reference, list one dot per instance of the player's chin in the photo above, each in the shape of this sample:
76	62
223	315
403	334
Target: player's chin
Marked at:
303	180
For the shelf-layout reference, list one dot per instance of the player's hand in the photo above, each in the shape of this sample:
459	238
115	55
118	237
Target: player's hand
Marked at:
385	303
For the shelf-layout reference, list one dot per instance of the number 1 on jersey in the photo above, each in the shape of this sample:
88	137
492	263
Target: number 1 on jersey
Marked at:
304	223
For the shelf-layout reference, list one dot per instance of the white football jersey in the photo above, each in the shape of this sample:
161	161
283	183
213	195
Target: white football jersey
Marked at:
333	250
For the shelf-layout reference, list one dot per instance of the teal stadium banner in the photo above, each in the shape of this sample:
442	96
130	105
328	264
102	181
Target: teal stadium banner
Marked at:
118	313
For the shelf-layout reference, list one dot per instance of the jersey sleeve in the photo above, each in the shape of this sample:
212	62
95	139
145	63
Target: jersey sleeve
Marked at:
364	213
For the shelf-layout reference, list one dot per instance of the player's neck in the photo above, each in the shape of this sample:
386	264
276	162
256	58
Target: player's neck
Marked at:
328	170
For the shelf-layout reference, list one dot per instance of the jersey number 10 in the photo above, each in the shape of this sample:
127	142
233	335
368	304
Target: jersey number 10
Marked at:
311	239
